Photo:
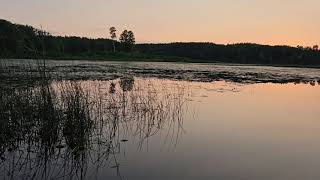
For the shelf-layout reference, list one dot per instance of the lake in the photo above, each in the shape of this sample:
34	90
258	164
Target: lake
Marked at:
117	120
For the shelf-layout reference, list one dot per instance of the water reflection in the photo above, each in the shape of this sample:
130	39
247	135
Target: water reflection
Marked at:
126	83
72	129
26	70
116	128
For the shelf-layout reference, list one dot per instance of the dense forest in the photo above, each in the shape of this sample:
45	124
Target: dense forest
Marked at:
20	41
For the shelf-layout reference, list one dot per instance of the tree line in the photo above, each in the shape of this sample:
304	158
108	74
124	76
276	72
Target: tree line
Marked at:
244	53
21	41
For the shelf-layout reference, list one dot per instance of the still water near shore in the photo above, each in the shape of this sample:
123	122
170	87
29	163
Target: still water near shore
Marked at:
158	128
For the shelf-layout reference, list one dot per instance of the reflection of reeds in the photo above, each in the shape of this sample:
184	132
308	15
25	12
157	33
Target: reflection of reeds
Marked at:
77	122
61	129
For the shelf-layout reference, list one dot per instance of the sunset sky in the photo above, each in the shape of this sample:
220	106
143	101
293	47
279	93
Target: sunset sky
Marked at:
287	22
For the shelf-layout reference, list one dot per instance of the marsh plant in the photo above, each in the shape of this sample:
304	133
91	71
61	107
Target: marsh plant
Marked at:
70	129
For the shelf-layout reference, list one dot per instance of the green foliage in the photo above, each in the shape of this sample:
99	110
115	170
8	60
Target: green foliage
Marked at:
113	34
127	40
244	53
19	41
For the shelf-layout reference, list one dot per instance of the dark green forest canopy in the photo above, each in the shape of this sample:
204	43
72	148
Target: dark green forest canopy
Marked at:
20	41
245	53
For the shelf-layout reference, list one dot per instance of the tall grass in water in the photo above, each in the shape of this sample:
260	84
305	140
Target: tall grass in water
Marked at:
65	129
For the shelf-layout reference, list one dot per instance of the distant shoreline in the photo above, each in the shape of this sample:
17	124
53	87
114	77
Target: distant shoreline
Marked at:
164	60
21	41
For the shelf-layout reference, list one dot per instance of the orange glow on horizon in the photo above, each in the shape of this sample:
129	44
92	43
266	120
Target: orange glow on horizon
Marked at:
286	22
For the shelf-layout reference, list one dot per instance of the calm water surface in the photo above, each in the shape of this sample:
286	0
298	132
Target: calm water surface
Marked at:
151	128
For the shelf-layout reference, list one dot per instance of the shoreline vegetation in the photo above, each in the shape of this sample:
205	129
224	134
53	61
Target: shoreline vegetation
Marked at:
156	59
25	42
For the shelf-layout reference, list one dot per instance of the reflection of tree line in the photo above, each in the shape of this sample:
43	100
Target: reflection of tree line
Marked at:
65	129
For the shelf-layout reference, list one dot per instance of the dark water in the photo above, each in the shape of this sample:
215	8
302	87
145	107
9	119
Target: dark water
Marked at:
124	124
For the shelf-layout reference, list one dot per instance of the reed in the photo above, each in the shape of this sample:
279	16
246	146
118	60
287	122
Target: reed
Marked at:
57	129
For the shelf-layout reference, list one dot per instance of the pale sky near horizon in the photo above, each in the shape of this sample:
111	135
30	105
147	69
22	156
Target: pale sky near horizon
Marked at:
275	22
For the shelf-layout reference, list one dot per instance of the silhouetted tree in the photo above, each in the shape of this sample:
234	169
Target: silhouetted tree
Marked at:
113	36
315	47
127	39
131	37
